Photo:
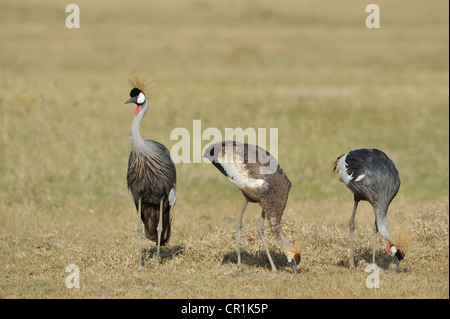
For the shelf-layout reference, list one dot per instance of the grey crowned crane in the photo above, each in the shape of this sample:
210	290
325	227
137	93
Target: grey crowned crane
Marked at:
151	175
372	176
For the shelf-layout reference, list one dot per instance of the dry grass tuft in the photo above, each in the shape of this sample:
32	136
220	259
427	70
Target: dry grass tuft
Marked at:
145	82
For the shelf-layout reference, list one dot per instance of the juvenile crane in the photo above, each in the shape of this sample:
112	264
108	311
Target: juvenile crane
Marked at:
151	178
371	176
261	180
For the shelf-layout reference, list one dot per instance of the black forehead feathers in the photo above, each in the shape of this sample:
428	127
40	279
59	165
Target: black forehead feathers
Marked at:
134	92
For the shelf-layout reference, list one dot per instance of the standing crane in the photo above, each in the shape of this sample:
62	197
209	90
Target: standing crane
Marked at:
261	180
151	178
371	176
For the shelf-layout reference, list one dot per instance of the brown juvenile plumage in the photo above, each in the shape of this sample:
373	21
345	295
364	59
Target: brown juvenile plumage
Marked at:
261	180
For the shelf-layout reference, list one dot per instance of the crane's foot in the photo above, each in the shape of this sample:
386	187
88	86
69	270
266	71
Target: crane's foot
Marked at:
239	271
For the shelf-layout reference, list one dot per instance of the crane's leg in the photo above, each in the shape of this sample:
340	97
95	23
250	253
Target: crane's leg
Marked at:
375	231
139	231
261	235
239	229
159	229
351	225
397	262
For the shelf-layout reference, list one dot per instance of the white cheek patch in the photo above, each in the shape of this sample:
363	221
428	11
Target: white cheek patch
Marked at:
141	98
393	250
360	177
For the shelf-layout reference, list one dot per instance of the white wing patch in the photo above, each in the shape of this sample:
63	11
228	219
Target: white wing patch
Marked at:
360	177
172	196
236	170
342	169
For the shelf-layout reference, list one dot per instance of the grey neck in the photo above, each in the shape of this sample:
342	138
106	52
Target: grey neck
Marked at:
381	221
135	135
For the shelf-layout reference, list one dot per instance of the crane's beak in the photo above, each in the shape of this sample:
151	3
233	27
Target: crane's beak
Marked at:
293	266
131	100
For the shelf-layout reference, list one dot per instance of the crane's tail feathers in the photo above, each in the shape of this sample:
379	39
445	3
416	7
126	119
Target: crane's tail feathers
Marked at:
167	224
150	217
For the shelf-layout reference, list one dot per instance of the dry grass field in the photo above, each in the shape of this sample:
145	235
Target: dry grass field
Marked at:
309	68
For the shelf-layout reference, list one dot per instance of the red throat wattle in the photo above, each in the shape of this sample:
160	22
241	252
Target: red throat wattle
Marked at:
138	109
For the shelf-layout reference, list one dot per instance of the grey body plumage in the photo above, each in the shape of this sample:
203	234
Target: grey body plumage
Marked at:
151	176
381	180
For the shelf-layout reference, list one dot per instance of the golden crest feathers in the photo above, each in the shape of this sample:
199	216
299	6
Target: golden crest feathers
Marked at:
298	245
296	250
401	238
144	82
